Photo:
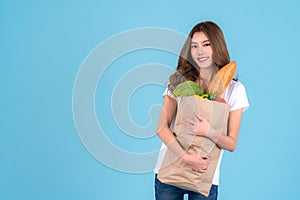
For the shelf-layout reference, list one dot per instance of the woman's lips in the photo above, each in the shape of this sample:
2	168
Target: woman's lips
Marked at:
202	59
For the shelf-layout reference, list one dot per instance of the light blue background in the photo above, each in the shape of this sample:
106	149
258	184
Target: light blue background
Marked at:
43	44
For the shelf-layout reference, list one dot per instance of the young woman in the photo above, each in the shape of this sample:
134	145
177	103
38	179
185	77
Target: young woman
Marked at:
203	54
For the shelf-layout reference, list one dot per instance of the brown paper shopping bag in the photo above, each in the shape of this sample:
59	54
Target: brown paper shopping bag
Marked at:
173	171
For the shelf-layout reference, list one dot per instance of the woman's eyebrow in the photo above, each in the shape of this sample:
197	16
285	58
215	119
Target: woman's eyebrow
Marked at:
193	42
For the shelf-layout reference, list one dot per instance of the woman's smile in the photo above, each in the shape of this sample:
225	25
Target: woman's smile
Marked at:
202	59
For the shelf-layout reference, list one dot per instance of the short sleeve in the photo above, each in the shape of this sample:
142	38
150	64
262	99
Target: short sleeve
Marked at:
238	97
168	93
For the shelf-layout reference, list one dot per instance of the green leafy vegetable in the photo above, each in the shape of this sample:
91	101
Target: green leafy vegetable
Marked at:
188	88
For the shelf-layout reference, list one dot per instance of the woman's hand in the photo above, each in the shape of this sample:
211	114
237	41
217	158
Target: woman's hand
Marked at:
228	141
197	162
199	127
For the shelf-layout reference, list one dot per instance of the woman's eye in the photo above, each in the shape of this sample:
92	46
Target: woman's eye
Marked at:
206	45
193	46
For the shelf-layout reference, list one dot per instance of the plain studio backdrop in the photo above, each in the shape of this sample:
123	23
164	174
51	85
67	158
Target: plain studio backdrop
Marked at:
42	47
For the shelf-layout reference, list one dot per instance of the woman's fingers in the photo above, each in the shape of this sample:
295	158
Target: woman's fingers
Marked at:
189	121
198	126
199	117
200	171
199	163
204	163
194	122
205	157
190	124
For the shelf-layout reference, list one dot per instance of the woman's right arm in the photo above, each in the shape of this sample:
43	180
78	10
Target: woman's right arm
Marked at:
165	119
167	113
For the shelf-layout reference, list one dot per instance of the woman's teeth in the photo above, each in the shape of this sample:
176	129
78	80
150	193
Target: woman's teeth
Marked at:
202	59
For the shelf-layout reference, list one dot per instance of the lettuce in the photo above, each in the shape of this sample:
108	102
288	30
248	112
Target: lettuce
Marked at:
188	88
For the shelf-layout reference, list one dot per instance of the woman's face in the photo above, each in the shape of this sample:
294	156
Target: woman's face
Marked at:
201	50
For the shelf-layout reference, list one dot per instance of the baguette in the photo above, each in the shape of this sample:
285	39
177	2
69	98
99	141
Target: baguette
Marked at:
222	79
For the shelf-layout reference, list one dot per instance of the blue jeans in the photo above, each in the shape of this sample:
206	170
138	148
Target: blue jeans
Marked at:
169	192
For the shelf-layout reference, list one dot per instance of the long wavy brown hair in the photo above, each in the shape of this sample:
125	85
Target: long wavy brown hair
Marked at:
187	69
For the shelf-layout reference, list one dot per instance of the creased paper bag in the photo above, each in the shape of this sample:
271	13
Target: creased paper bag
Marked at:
173	171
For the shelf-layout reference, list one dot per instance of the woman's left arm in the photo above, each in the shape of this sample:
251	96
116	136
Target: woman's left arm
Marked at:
227	142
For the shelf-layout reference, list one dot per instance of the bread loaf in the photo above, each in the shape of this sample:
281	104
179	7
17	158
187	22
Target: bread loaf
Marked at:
222	79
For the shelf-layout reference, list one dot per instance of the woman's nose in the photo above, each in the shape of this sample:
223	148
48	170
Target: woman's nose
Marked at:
200	50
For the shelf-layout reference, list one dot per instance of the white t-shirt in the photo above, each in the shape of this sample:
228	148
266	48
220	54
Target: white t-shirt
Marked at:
235	95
